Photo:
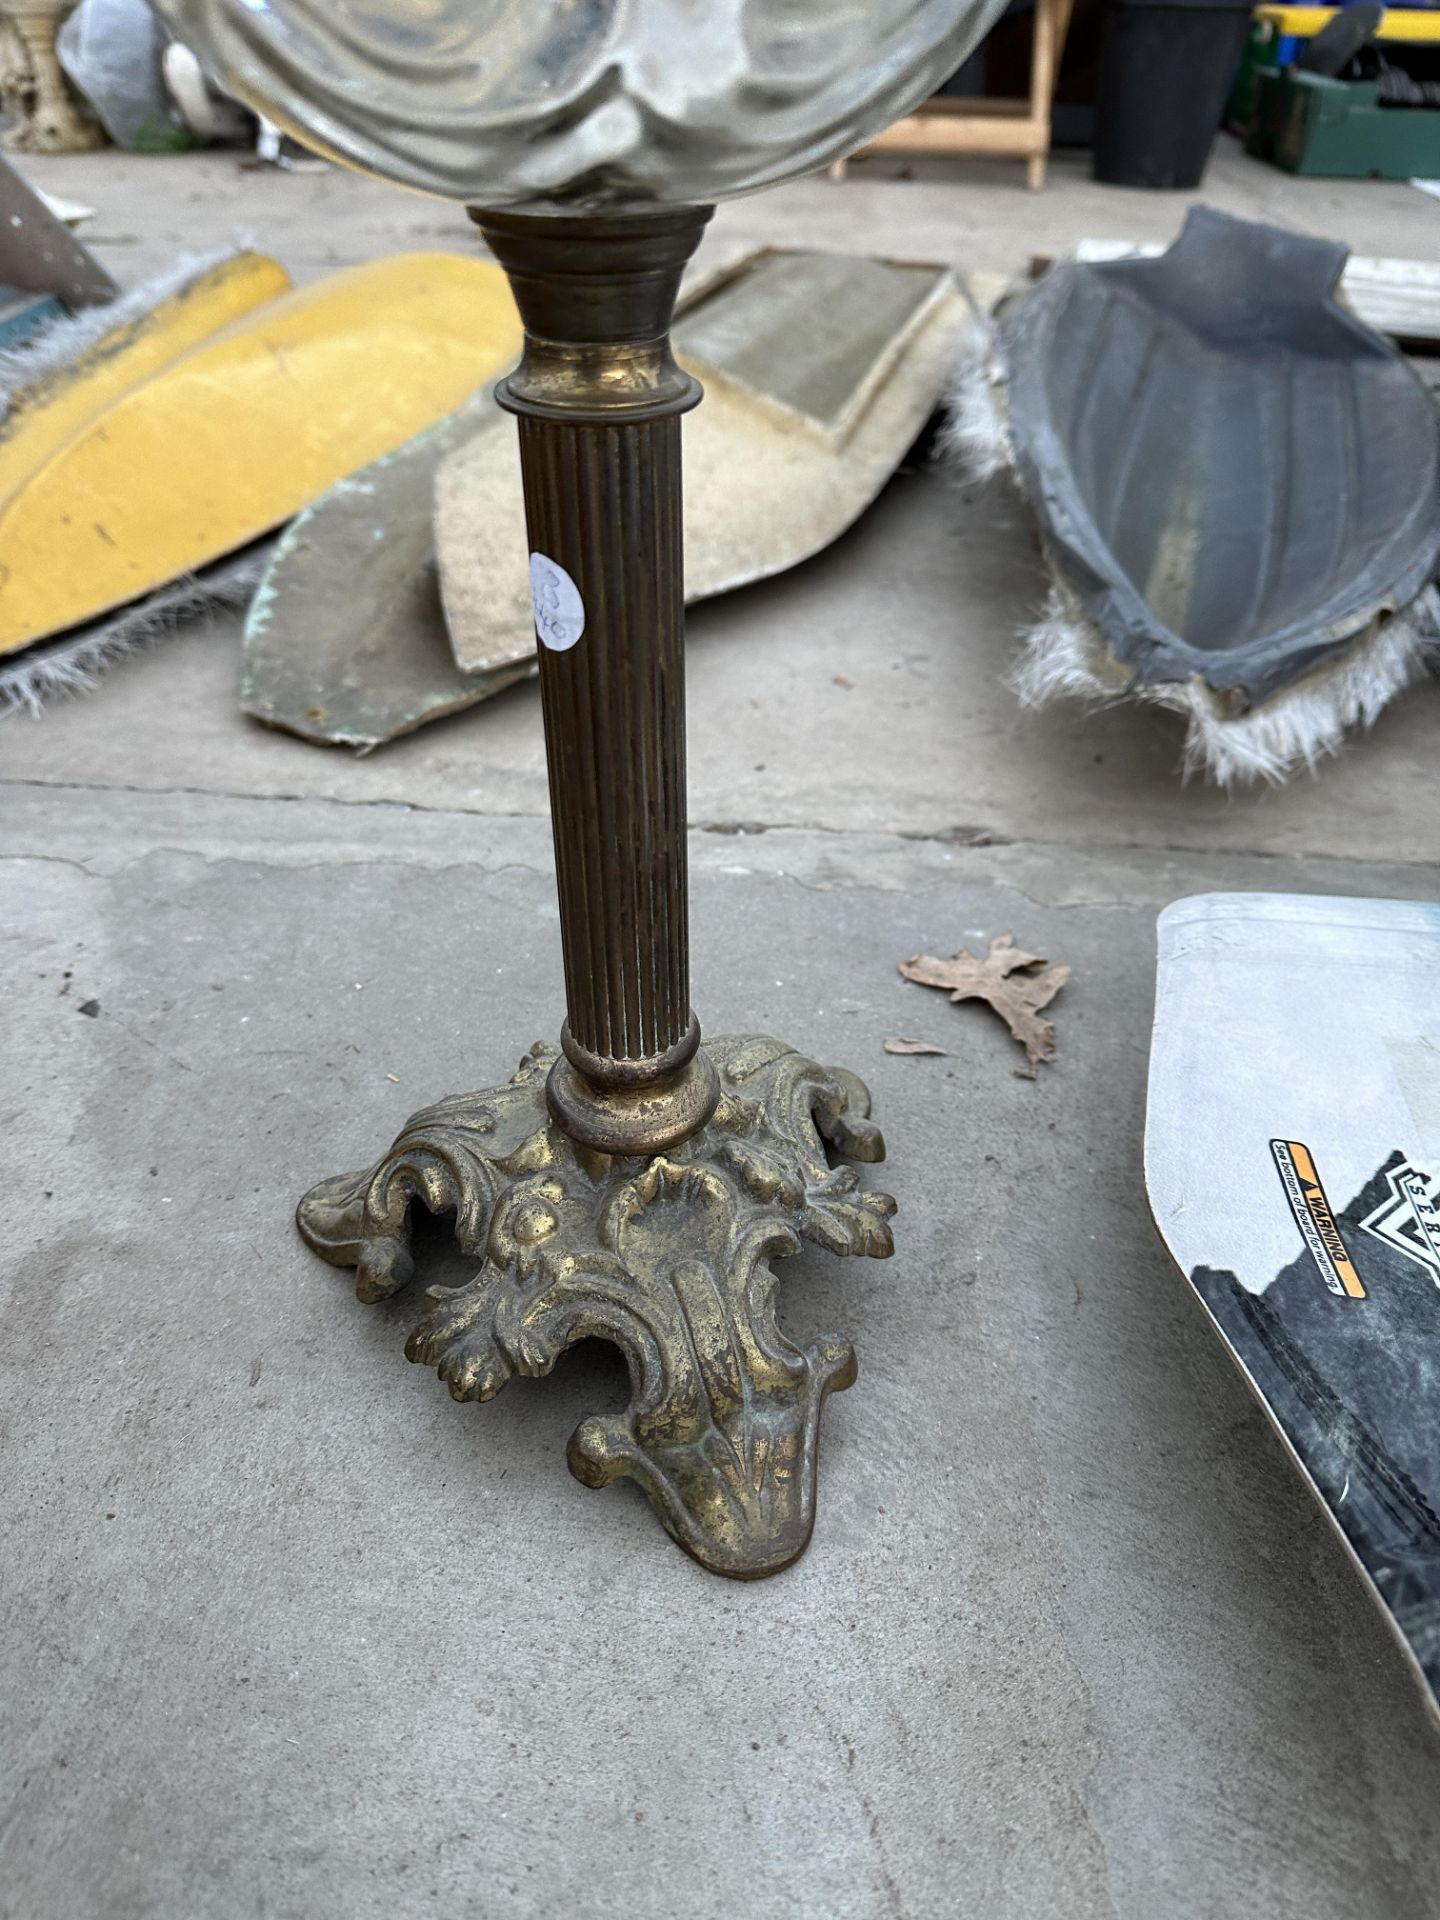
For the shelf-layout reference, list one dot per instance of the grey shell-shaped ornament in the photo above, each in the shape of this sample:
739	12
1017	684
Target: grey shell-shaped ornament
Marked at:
1233	475
504	103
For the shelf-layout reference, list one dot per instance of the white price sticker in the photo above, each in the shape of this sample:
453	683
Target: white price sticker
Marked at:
559	610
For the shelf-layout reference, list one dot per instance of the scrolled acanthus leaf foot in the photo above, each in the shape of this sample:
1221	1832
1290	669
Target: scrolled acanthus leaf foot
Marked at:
668	1258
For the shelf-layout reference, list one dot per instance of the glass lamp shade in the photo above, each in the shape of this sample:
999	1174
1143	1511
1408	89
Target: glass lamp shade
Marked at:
598	103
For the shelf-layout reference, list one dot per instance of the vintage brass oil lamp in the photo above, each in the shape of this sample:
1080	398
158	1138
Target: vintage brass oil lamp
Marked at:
634	1186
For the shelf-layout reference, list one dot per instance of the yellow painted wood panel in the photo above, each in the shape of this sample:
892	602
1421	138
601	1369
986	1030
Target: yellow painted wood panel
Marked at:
234	437
52	411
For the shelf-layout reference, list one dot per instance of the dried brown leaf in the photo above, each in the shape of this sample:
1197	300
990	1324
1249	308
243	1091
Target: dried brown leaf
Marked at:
1016	984
913	1046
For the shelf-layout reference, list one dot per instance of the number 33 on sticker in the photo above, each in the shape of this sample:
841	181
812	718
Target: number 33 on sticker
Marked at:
559	610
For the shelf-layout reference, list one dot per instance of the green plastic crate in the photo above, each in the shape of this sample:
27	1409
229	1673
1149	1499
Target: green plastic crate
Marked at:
1338	129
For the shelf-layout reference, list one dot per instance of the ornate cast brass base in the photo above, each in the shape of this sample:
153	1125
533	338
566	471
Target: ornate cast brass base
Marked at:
667	1256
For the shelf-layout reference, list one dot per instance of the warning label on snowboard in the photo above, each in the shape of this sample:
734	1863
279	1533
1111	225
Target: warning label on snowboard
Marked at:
1315	1219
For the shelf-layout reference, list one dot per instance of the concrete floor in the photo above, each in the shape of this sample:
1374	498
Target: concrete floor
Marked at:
283	1632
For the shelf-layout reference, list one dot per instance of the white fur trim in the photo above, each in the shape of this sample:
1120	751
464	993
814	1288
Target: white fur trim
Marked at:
65	341
74	662
975	435
1065	655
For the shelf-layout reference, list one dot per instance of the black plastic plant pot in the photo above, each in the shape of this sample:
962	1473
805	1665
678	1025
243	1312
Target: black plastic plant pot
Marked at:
1165	75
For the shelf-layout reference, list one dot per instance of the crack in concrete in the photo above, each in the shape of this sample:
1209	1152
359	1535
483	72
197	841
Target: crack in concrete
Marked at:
978	838
230	793
858	884
251	859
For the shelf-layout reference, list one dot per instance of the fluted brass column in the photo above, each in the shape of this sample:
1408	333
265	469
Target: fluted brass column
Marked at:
599	399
